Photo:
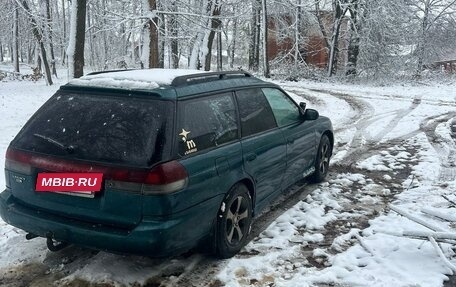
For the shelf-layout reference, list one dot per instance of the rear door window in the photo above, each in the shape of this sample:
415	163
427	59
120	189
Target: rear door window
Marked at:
206	122
130	131
255	112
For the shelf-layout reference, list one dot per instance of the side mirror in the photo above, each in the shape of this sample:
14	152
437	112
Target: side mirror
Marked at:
311	115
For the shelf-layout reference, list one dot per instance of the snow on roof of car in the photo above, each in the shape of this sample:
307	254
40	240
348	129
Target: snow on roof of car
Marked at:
133	79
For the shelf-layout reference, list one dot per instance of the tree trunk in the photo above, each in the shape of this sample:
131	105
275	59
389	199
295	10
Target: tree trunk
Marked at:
297	55
353	46
77	39
219	52
49	30
153	36
266	72
1	52
194	61
174	34
334	44
105	38
30	53
420	49
161	60
38	58
37	33
92	61
254	55
133	38
63	52
319	16
16	38
233	47
215	24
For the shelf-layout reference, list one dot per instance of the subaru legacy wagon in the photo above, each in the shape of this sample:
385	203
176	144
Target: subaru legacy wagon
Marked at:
155	162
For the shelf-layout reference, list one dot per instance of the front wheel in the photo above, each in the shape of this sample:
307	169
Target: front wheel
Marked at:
322	160
233	222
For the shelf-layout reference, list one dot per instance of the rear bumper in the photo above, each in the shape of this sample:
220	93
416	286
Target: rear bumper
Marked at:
153	237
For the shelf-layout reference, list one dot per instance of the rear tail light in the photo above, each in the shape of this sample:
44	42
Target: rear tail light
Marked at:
18	162
164	178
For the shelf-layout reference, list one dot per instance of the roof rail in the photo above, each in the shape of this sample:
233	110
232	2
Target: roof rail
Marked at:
109	71
206	77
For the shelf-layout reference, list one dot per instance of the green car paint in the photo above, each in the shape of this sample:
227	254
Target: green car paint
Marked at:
166	224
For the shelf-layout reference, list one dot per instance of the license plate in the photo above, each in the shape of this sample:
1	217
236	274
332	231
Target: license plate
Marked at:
82	184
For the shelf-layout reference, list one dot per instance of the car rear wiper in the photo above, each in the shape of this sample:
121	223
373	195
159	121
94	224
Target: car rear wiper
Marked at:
69	148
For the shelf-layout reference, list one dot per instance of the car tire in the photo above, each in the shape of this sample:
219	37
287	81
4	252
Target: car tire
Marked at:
233	222
322	160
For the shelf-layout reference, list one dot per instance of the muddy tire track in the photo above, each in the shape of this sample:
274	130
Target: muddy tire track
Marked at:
361	146
203	273
445	148
362	109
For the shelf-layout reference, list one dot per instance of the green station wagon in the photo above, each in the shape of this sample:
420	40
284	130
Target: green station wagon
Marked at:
184	157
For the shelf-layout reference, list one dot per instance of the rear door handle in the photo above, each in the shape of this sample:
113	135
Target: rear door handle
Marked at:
251	157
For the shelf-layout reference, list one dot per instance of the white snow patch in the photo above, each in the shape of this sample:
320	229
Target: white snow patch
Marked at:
133	79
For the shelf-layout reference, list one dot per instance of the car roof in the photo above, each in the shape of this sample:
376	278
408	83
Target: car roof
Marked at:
167	83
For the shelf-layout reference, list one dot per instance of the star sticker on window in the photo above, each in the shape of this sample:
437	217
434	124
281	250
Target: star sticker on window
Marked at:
184	134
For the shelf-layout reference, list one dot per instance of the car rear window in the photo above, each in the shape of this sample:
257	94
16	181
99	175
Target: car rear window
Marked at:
125	130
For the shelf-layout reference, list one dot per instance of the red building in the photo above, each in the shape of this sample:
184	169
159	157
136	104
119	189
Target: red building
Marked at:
312	46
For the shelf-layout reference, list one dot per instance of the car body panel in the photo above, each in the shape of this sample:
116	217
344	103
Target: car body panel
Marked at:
264	161
165	224
301	149
156	237
110	206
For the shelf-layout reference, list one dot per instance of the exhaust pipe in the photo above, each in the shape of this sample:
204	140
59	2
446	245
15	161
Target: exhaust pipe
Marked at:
52	246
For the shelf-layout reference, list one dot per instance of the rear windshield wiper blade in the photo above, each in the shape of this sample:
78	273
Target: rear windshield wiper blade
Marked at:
69	149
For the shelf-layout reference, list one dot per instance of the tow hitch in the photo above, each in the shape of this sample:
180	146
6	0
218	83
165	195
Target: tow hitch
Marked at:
30	236
51	245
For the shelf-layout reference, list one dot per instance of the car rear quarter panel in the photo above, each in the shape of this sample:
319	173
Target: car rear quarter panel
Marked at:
211	174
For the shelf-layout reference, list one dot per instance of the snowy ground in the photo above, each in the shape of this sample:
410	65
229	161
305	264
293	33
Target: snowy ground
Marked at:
394	146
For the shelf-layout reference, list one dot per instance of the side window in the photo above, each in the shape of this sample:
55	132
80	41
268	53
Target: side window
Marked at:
285	110
254	111
206	122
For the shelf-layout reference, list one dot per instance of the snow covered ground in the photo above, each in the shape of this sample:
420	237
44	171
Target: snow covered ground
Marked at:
394	146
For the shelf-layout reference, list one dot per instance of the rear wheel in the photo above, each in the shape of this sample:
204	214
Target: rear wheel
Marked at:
233	222
322	160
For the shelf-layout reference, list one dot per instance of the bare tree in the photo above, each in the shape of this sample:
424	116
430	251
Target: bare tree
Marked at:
321	25
150	7
38	34
174	43
355	30
1	51
64	33
430	13
255	32
215	24
48	29
266	72
16	38
77	39
339	11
